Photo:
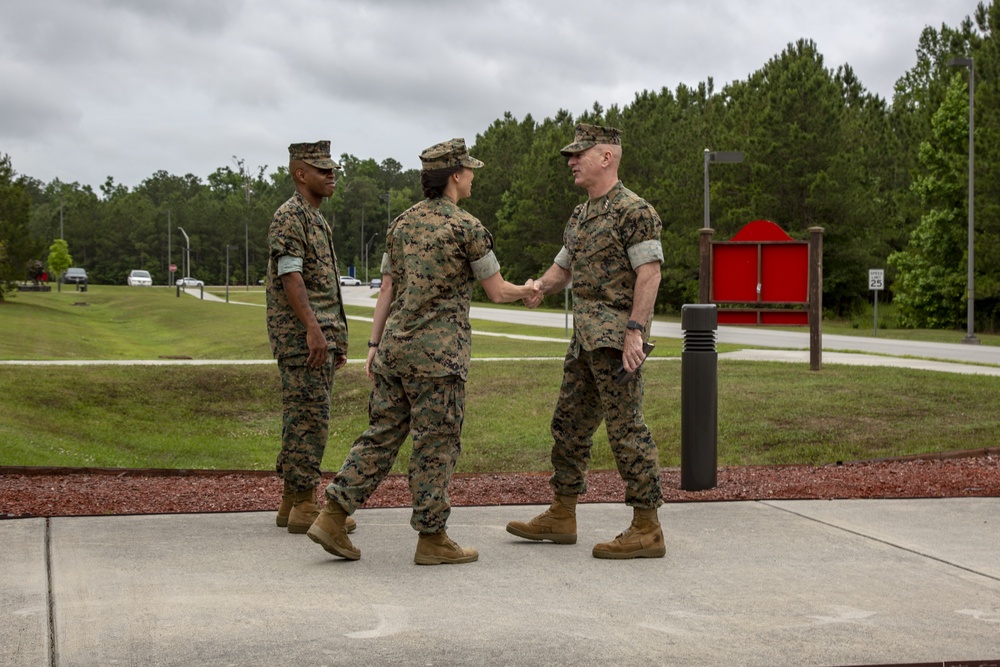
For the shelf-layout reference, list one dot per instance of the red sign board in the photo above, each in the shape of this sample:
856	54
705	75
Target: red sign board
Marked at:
173	268
761	266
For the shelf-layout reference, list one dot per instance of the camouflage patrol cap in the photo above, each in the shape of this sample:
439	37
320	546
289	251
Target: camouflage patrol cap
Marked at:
446	154
317	154
588	135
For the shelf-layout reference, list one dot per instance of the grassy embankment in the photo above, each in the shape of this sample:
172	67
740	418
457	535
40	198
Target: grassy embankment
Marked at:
228	416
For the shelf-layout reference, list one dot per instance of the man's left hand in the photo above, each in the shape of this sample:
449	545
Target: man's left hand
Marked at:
632	355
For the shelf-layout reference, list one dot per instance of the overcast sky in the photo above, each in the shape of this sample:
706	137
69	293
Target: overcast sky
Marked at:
92	88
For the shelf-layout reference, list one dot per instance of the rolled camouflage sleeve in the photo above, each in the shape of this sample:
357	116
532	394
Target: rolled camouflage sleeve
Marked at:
289	264
645	252
642	231
485	267
287	236
479	250
562	259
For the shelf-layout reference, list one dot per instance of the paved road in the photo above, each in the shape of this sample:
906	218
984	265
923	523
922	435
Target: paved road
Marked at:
756	337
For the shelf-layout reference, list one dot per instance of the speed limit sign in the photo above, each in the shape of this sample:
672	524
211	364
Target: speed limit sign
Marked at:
876	279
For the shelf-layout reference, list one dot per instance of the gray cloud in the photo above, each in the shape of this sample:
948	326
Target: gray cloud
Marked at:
116	87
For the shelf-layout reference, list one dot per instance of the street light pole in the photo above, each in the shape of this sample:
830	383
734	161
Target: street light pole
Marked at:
186	268
170	260
246	245
970	335
60	209
388	215
367	247
227	269
720	157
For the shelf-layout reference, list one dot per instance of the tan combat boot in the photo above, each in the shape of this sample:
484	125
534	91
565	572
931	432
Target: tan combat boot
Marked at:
304	512
439	549
330	532
557	523
643	539
284	508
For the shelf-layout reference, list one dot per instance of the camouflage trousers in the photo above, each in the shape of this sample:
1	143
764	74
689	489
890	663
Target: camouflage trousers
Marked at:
305	420
590	394
431	409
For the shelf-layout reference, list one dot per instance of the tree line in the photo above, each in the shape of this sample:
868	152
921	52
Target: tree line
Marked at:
887	180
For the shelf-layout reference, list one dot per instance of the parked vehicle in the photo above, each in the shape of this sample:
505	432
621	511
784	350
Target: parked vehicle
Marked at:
349	281
75	275
376	283
139	278
190	282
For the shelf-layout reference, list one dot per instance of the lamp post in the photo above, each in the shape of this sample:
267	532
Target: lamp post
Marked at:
227	269
720	157
367	247
60	208
186	265
246	243
170	261
388	216
970	335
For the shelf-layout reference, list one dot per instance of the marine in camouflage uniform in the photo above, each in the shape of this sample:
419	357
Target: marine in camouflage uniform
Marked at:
612	253
419	358
306	327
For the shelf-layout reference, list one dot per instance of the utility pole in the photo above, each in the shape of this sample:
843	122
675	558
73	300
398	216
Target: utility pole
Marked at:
60	211
970	335
170	257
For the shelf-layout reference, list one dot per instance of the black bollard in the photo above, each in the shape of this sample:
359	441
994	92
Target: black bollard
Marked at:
699	397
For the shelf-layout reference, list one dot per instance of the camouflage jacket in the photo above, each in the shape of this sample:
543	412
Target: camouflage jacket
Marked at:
434	253
299	230
604	241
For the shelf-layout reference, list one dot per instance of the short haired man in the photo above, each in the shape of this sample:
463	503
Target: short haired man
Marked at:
612	253
306	326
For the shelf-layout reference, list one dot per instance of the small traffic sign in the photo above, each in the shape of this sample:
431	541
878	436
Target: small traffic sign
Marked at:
173	268
876	279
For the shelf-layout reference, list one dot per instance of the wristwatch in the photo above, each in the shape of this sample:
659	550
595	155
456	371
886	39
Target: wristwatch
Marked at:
632	324
371	344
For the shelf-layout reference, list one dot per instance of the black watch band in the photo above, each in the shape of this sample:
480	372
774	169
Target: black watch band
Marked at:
632	324
371	344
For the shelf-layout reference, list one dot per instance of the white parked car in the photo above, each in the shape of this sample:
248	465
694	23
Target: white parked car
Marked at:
190	282
139	278
347	280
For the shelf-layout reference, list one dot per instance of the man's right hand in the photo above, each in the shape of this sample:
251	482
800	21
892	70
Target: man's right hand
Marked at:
537	294
318	351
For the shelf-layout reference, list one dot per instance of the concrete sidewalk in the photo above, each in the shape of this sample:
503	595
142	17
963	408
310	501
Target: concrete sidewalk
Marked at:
769	583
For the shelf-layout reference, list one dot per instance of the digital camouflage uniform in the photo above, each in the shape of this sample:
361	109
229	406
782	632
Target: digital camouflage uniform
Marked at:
604	241
435	251
299	230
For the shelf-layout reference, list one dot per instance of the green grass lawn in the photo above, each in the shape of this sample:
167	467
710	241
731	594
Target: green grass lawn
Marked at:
228	416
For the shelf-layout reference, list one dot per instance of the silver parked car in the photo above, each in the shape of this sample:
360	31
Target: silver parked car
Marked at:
75	275
190	282
139	278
